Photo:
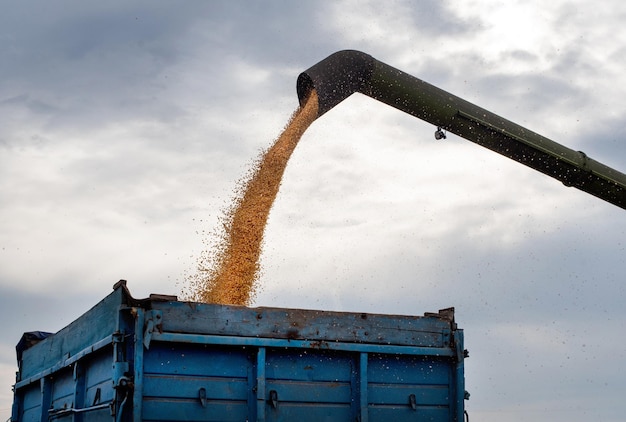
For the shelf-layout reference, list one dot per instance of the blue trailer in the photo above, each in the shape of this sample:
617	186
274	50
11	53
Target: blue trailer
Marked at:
160	359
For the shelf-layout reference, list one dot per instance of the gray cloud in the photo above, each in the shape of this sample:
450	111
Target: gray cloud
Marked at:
126	126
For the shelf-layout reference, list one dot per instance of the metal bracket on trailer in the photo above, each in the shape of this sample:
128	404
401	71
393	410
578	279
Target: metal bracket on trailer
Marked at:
153	322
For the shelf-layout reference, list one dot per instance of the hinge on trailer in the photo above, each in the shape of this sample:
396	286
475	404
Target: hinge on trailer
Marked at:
153	322
120	377
202	396
273	400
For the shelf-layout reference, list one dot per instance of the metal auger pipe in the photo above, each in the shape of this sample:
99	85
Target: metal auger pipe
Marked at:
346	72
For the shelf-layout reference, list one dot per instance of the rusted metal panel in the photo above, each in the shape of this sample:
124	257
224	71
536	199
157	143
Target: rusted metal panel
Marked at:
431	331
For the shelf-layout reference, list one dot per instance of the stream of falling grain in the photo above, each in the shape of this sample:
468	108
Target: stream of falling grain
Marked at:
228	275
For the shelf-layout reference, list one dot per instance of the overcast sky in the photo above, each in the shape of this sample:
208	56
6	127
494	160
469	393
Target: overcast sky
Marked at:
124	127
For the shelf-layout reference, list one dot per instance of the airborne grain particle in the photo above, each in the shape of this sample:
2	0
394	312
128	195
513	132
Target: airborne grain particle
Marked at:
228	275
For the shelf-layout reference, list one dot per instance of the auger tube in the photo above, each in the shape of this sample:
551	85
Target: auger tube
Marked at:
346	72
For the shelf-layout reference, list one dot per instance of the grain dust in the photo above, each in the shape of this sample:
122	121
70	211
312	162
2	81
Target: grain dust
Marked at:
229	272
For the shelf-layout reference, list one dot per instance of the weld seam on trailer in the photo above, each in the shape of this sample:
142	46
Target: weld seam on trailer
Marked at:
302	344
67	362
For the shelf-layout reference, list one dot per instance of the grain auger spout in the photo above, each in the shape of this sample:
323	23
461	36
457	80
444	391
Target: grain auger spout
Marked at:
346	72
